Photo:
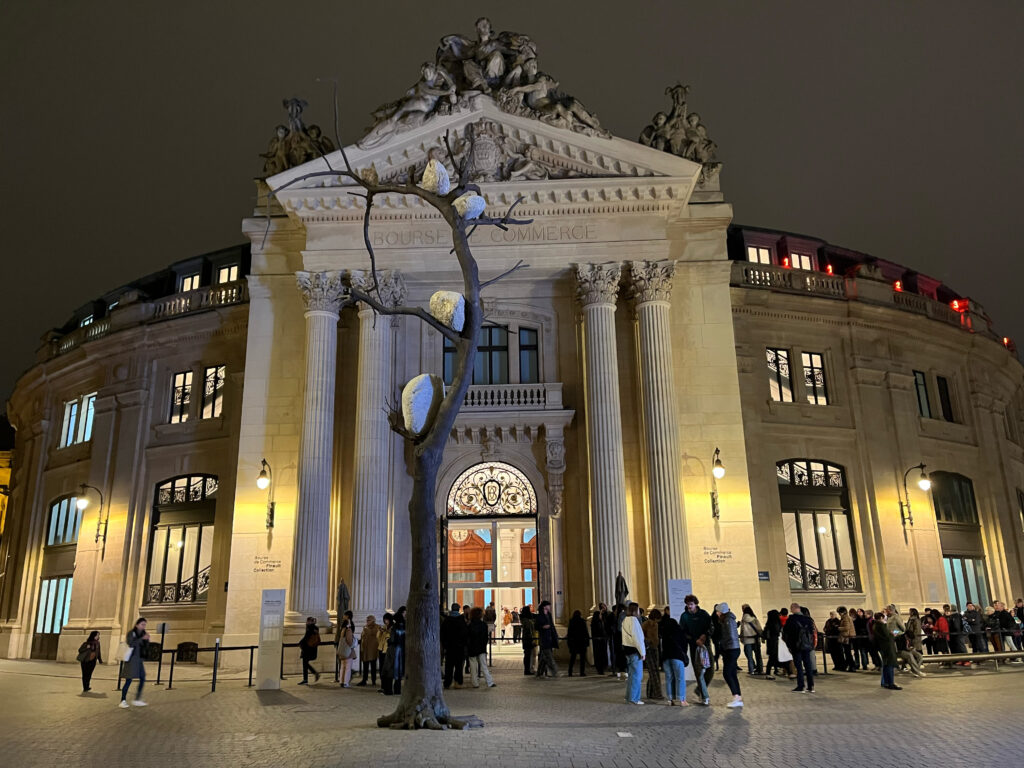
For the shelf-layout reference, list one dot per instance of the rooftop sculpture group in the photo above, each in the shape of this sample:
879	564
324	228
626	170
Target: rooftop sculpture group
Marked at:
503	66
295	143
683	134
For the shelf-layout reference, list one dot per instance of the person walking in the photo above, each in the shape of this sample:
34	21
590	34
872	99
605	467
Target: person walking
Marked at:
599	638
368	651
137	642
308	650
798	634
730	645
548	640
477	639
578	641
652	662
634	649
751	633
696	623
886	645
345	651
673	659
88	654
526	621
453	640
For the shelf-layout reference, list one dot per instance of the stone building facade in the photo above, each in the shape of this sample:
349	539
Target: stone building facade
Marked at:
647	337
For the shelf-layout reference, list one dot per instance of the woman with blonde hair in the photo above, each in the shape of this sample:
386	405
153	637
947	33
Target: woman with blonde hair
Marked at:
346	651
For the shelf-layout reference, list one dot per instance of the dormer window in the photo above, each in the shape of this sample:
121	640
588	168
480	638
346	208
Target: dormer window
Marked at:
189	282
87	320
758	255
801	261
227	274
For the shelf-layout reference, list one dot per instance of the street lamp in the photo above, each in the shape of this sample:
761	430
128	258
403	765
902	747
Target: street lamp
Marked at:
101	522
923	482
263	482
717	473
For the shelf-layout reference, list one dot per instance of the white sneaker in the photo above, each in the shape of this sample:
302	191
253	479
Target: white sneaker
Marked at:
123	704
140	703
638	703
735	704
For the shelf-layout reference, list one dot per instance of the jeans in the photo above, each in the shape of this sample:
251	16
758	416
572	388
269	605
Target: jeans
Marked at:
635	673
803	661
753	653
888	675
730	668
128	684
861	655
703	678
480	670
675	679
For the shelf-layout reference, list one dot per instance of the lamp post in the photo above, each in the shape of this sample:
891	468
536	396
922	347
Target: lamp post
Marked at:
923	482
263	481
717	472
101	521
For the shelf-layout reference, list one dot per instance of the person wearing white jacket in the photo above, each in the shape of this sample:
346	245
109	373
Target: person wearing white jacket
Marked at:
633	647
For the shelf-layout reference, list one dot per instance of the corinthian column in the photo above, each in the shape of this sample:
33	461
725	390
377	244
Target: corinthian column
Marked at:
372	450
321	293
596	289
650	290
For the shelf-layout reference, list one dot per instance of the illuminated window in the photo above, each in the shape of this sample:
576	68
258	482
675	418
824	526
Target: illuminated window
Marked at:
801	261
227	274
65	520
814	378
181	396
779	380
77	424
213	392
490	489
965	580
181	547
759	255
87	320
924	406
189	282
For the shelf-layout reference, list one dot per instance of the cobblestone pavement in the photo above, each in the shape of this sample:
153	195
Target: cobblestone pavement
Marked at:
959	718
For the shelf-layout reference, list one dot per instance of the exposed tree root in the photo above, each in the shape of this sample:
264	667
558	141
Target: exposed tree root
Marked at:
429	713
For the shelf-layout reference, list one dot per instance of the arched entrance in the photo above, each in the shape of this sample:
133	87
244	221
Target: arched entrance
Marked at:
489	538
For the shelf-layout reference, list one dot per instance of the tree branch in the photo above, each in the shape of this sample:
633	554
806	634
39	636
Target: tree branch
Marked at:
519	265
422	314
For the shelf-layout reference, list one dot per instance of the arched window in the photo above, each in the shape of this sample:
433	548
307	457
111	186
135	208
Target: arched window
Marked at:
491	489
817	525
65	520
953	497
181	547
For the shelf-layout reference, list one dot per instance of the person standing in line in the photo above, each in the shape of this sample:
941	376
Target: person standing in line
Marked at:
526	622
548	640
846	635
817	635
368	651
506	622
491	617
383	638
650	627
477	637
886	645
696	623
88	654
772	633
861	641
465	654
798	634
715	636
453	640
751	634
831	641
137	641
308	649
396	647
940	638
1007	628
974	626
633	647
702	669
517	627
345	651
673	659
611	630
599	638
730	645
578	641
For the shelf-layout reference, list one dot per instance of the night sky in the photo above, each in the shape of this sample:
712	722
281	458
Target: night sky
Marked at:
131	131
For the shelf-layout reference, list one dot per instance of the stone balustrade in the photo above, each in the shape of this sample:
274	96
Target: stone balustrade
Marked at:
513	397
207	297
792	280
80	335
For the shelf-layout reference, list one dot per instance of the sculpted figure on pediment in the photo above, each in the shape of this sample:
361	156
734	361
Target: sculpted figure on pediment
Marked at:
295	143
681	133
434	86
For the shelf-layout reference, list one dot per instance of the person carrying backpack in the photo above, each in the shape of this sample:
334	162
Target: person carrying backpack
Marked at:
799	636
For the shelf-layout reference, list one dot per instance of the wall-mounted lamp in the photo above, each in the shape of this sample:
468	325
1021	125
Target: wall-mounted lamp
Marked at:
717	473
264	481
101	521
923	482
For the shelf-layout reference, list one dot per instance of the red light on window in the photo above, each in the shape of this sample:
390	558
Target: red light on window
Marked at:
960	305
1006	341
785	261
898	285
828	269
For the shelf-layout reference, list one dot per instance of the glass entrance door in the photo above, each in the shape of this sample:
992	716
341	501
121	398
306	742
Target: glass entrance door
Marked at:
491	561
52	614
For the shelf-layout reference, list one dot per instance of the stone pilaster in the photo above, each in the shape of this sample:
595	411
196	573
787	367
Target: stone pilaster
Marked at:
370	505
650	290
597	288
322	294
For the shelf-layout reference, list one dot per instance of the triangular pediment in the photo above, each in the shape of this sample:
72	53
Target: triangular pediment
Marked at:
510	157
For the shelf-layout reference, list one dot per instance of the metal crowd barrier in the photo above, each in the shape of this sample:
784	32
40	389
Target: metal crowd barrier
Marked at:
217	649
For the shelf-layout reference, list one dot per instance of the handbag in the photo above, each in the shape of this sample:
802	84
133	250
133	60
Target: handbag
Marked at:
124	651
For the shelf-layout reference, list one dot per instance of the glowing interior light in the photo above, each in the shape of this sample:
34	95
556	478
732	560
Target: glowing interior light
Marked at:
898	285
828	269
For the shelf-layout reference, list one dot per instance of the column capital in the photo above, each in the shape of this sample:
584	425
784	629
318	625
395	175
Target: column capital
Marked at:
321	291
390	282
650	281
597	283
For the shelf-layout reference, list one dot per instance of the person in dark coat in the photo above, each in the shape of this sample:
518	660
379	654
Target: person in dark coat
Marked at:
772	633
578	641
526	622
673	659
308	649
88	655
396	649
618	654
695	623
885	644
548	637
599	637
611	629
138	645
454	631
477	640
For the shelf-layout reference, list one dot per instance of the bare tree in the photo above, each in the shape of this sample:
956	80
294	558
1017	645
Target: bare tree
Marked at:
422	703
